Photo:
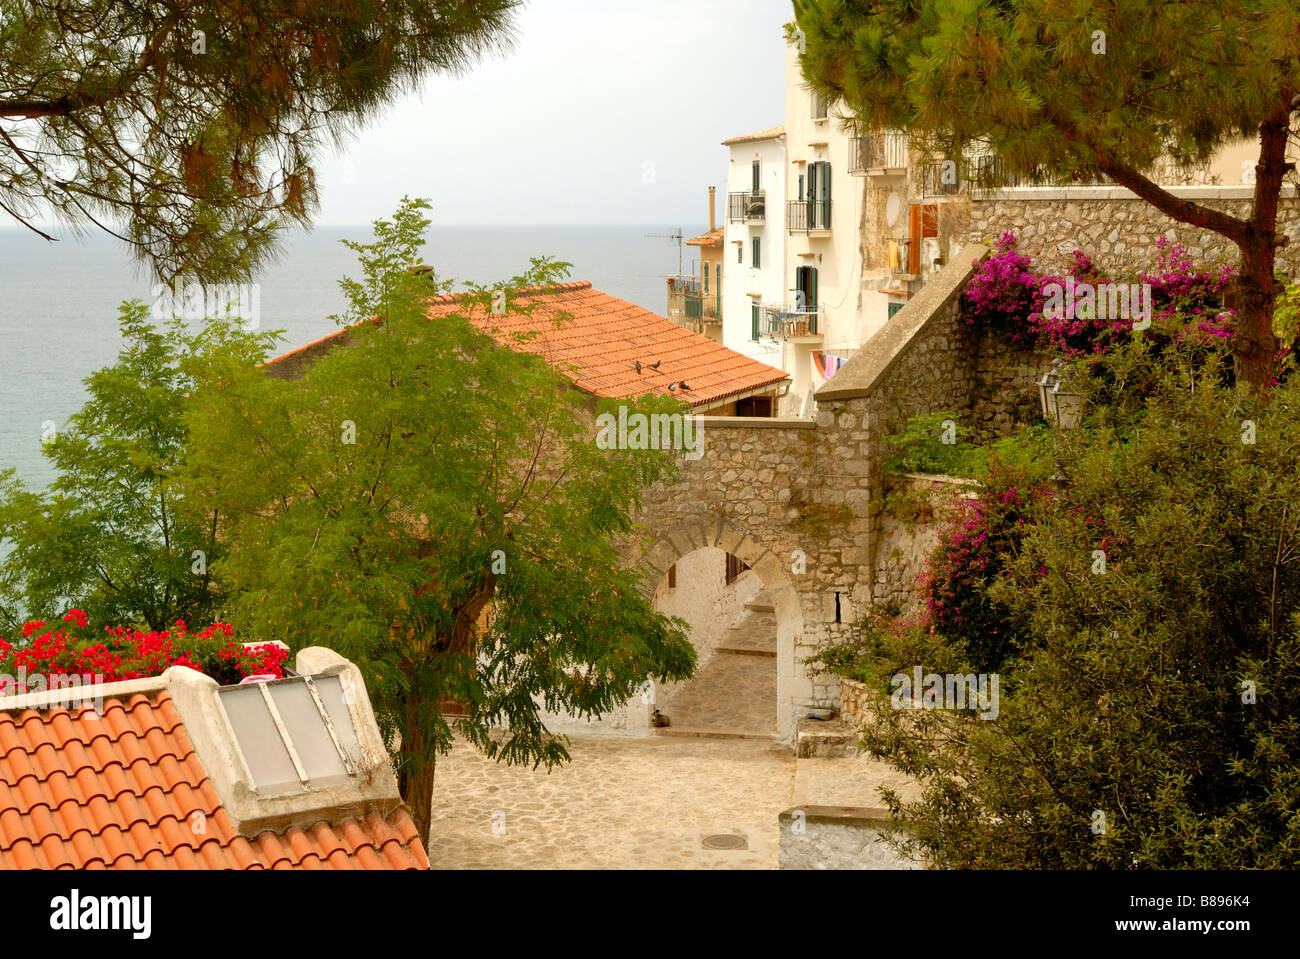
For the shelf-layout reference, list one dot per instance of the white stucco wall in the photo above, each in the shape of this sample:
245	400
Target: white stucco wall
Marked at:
740	279
837	257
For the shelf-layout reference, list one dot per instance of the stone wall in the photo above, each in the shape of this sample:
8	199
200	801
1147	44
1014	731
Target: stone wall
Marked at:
790	499
906	542
1006	386
1115	228
832	837
800	501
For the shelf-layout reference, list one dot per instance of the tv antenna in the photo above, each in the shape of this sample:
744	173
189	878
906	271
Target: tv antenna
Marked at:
676	237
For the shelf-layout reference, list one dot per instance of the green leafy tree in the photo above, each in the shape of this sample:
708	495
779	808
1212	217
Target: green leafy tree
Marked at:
1079	90
189	129
434	507
1154	721
107	536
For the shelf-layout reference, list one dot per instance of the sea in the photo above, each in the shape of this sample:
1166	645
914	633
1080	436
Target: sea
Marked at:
59	301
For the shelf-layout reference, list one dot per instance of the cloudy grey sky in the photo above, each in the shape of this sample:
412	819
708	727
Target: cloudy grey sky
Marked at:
606	112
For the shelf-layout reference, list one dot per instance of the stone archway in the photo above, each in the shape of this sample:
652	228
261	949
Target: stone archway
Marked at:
721	533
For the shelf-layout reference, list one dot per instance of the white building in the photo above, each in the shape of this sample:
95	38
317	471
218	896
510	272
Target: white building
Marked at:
754	251
819	320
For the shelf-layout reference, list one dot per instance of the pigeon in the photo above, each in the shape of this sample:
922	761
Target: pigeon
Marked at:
638	367
672	387
655	364
683	385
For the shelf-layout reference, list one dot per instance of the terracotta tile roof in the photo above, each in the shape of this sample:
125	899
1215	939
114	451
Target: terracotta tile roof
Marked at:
769	134
712	238
127	791
600	346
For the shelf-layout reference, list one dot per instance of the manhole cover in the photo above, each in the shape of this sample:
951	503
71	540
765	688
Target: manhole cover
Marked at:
725	841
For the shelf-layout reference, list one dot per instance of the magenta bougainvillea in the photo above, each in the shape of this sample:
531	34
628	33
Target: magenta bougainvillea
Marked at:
73	648
1006	296
970	556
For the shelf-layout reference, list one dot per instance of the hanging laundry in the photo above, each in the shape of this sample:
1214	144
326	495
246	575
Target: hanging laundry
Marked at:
894	255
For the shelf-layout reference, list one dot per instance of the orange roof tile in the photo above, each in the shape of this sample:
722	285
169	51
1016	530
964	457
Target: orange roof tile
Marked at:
712	238
599	347
126	791
769	134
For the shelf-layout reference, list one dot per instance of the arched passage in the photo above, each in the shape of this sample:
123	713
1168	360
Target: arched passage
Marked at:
718	532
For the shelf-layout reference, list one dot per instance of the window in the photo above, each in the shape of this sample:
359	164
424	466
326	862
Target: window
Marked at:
740	253
757	244
734	568
294	734
805	284
922	222
894	308
819	195
758	177
818	107
706	278
753	316
754	406
672	576
800	187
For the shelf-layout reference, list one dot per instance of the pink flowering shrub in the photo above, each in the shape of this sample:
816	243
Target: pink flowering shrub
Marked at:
1003	293
1006	296
971	554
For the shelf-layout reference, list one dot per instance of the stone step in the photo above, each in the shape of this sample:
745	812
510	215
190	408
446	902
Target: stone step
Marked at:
760	606
702	733
825	739
747	651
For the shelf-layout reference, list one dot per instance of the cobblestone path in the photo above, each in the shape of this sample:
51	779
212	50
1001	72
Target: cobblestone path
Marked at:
649	803
735	689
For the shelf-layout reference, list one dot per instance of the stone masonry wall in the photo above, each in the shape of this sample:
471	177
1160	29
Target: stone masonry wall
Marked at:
789	498
1119	232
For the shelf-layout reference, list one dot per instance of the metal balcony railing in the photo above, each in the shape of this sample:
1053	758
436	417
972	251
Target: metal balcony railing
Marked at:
789	320
747	207
704	308
877	152
805	216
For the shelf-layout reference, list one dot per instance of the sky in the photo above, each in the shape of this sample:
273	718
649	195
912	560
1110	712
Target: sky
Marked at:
606	112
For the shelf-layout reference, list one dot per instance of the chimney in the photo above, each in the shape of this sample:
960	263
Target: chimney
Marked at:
713	223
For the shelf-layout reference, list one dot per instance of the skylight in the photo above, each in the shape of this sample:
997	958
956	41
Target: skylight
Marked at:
295	734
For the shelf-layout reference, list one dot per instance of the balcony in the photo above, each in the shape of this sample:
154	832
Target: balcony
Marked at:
703	309
878	154
989	172
747	207
808	216
790	321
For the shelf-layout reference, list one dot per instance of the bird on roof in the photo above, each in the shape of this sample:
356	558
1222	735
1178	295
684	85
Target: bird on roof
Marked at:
682	385
638	367
672	387
655	364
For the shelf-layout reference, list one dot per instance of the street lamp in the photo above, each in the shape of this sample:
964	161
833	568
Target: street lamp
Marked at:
1062	409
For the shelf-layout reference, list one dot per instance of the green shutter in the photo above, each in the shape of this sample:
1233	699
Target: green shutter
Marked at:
706	278
758	252
754	321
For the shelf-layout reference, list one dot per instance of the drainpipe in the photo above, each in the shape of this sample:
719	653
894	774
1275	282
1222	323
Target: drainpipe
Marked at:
713	222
